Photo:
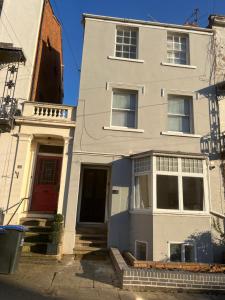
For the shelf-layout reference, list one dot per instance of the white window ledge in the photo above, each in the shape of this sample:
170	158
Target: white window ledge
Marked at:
175	133
178	65
181	213
123	129
126	59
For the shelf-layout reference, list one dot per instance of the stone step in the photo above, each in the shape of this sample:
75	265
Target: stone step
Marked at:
36	247
37	258
31	237
94	229
31	233
87	249
89	236
38	229
35	221
99	254
91	243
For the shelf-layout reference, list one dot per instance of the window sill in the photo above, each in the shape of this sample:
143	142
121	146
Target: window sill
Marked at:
178	65
123	129
126	59
147	211
181	213
174	133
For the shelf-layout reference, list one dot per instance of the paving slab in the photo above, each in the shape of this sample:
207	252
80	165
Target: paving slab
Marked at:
77	280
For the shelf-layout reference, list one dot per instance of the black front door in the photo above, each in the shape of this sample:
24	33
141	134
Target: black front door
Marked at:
93	198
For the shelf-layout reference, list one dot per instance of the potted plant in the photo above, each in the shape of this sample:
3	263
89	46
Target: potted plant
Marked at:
55	237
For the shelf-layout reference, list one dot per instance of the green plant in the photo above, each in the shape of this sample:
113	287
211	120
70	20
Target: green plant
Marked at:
58	218
218	228
56	229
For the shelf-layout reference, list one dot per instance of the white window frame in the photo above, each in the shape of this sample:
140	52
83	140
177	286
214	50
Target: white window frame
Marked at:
128	92
144	242
135	174
180	174
183	244
137	41
187	52
191	117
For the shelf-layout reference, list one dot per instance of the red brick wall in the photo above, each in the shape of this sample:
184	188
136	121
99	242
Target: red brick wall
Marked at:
47	78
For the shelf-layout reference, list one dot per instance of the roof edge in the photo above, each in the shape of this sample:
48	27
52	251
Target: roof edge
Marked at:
142	22
169	153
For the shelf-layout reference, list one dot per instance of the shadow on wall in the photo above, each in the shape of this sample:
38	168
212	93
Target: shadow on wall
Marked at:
49	84
211	142
119	231
208	249
119	221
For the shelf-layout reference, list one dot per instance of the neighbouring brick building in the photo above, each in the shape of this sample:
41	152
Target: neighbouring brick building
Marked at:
35	127
48	72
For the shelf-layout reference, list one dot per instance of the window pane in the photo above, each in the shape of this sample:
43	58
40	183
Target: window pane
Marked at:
124	100
126	38
142	164
141	251
190	165
133	34
189	253
123	118
164	163
175	252
177	45
176	123
142	191
178	106
193	193
167	192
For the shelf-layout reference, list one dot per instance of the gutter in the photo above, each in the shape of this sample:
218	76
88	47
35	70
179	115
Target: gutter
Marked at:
142	22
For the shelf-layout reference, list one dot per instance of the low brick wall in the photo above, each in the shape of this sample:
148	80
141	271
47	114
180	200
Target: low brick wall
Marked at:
181	266
145	279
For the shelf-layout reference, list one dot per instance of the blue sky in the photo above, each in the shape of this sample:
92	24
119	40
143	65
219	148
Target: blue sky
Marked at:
70	12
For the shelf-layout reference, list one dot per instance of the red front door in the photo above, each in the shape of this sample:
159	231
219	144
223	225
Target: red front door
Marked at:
46	184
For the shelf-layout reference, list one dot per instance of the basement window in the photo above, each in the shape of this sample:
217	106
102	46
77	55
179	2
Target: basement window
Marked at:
182	252
141	250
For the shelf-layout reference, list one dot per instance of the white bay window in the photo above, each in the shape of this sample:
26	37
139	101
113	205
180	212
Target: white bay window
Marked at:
172	184
142	183
180	188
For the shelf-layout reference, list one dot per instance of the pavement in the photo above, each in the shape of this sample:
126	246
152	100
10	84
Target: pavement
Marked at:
77	280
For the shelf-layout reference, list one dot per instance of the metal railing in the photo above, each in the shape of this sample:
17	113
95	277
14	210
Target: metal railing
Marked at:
17	205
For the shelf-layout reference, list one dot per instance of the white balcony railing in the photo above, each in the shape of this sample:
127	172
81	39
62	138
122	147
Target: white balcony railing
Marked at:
48	112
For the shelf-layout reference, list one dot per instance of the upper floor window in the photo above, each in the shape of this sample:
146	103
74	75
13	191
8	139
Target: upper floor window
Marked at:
126	42
177	49
180	114
124	108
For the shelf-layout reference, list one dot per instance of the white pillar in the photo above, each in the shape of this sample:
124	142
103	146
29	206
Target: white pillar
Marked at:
61	199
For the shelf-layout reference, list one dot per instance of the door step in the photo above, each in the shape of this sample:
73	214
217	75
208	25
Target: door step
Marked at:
91	242
37	236
37	258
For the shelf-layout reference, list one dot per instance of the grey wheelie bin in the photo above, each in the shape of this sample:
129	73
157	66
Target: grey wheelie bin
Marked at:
11	243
